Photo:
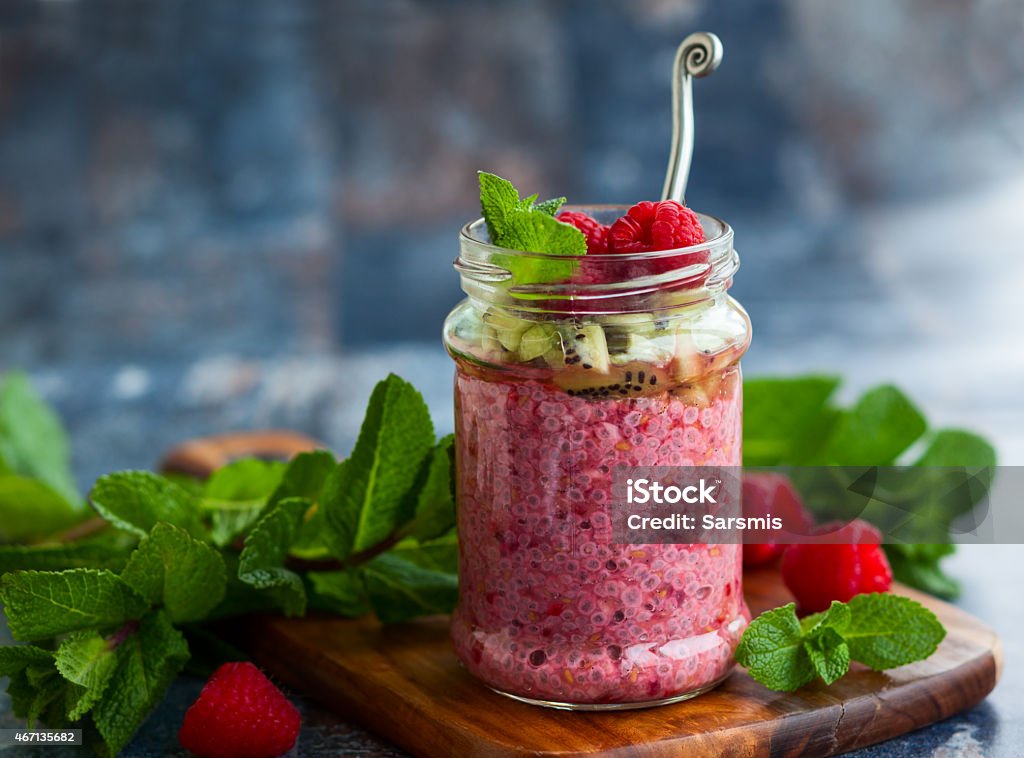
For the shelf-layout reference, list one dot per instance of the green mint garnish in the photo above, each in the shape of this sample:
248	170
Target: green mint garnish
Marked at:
879	630
523	225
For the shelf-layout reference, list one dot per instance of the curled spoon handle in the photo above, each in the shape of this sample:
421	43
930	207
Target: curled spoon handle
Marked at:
698	55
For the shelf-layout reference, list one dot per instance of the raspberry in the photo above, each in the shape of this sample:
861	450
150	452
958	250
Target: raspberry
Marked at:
595	232
240	714
817	574
597	243
647	226
769	494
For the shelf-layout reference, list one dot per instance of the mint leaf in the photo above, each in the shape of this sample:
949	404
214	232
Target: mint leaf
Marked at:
886	631
147	662
182	574
26	699
266	549
244	479
42	604
919	566
48	692
400	590
784	418
773	652
366	497
341	592
837	617
499	199
230	523
236	494
14	658
536	232
34	687
304	477
22	694
829	654
435	502
240	597
440	554
955	447
550	207
88	661
136	500
880	630
520	225
32	440
882	424
29	508
105	551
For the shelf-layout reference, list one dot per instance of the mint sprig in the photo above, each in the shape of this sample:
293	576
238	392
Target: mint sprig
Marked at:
879	630
107	613
523	224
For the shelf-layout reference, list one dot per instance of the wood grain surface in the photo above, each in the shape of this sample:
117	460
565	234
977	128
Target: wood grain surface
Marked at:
404	682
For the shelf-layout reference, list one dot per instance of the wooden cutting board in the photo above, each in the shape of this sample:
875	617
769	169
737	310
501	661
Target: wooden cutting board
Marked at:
404	683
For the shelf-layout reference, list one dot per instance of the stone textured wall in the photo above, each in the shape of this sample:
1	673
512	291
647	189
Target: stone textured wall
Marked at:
181	178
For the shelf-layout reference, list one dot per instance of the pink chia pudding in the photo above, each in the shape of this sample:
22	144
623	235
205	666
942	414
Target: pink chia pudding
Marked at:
550	608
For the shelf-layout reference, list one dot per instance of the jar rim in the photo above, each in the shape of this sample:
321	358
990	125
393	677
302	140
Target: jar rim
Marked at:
615	282
724	237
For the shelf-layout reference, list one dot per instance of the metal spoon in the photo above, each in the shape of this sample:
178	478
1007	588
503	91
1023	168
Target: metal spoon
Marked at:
698	55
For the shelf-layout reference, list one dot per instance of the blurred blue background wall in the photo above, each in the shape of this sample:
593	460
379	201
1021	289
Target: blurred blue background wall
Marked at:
202	198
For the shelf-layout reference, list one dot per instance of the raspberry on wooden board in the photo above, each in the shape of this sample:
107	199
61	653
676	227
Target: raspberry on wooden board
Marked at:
817	574
240	714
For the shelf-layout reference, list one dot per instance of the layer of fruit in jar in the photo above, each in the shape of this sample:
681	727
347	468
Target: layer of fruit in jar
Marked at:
550	608
610	355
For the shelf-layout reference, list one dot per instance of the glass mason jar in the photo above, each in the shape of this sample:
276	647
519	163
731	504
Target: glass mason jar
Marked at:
633	361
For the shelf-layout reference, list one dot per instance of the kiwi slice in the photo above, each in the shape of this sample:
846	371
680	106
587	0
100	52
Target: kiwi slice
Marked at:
630	380
586	347
508	329
536	341
555	355
489	340
619	327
